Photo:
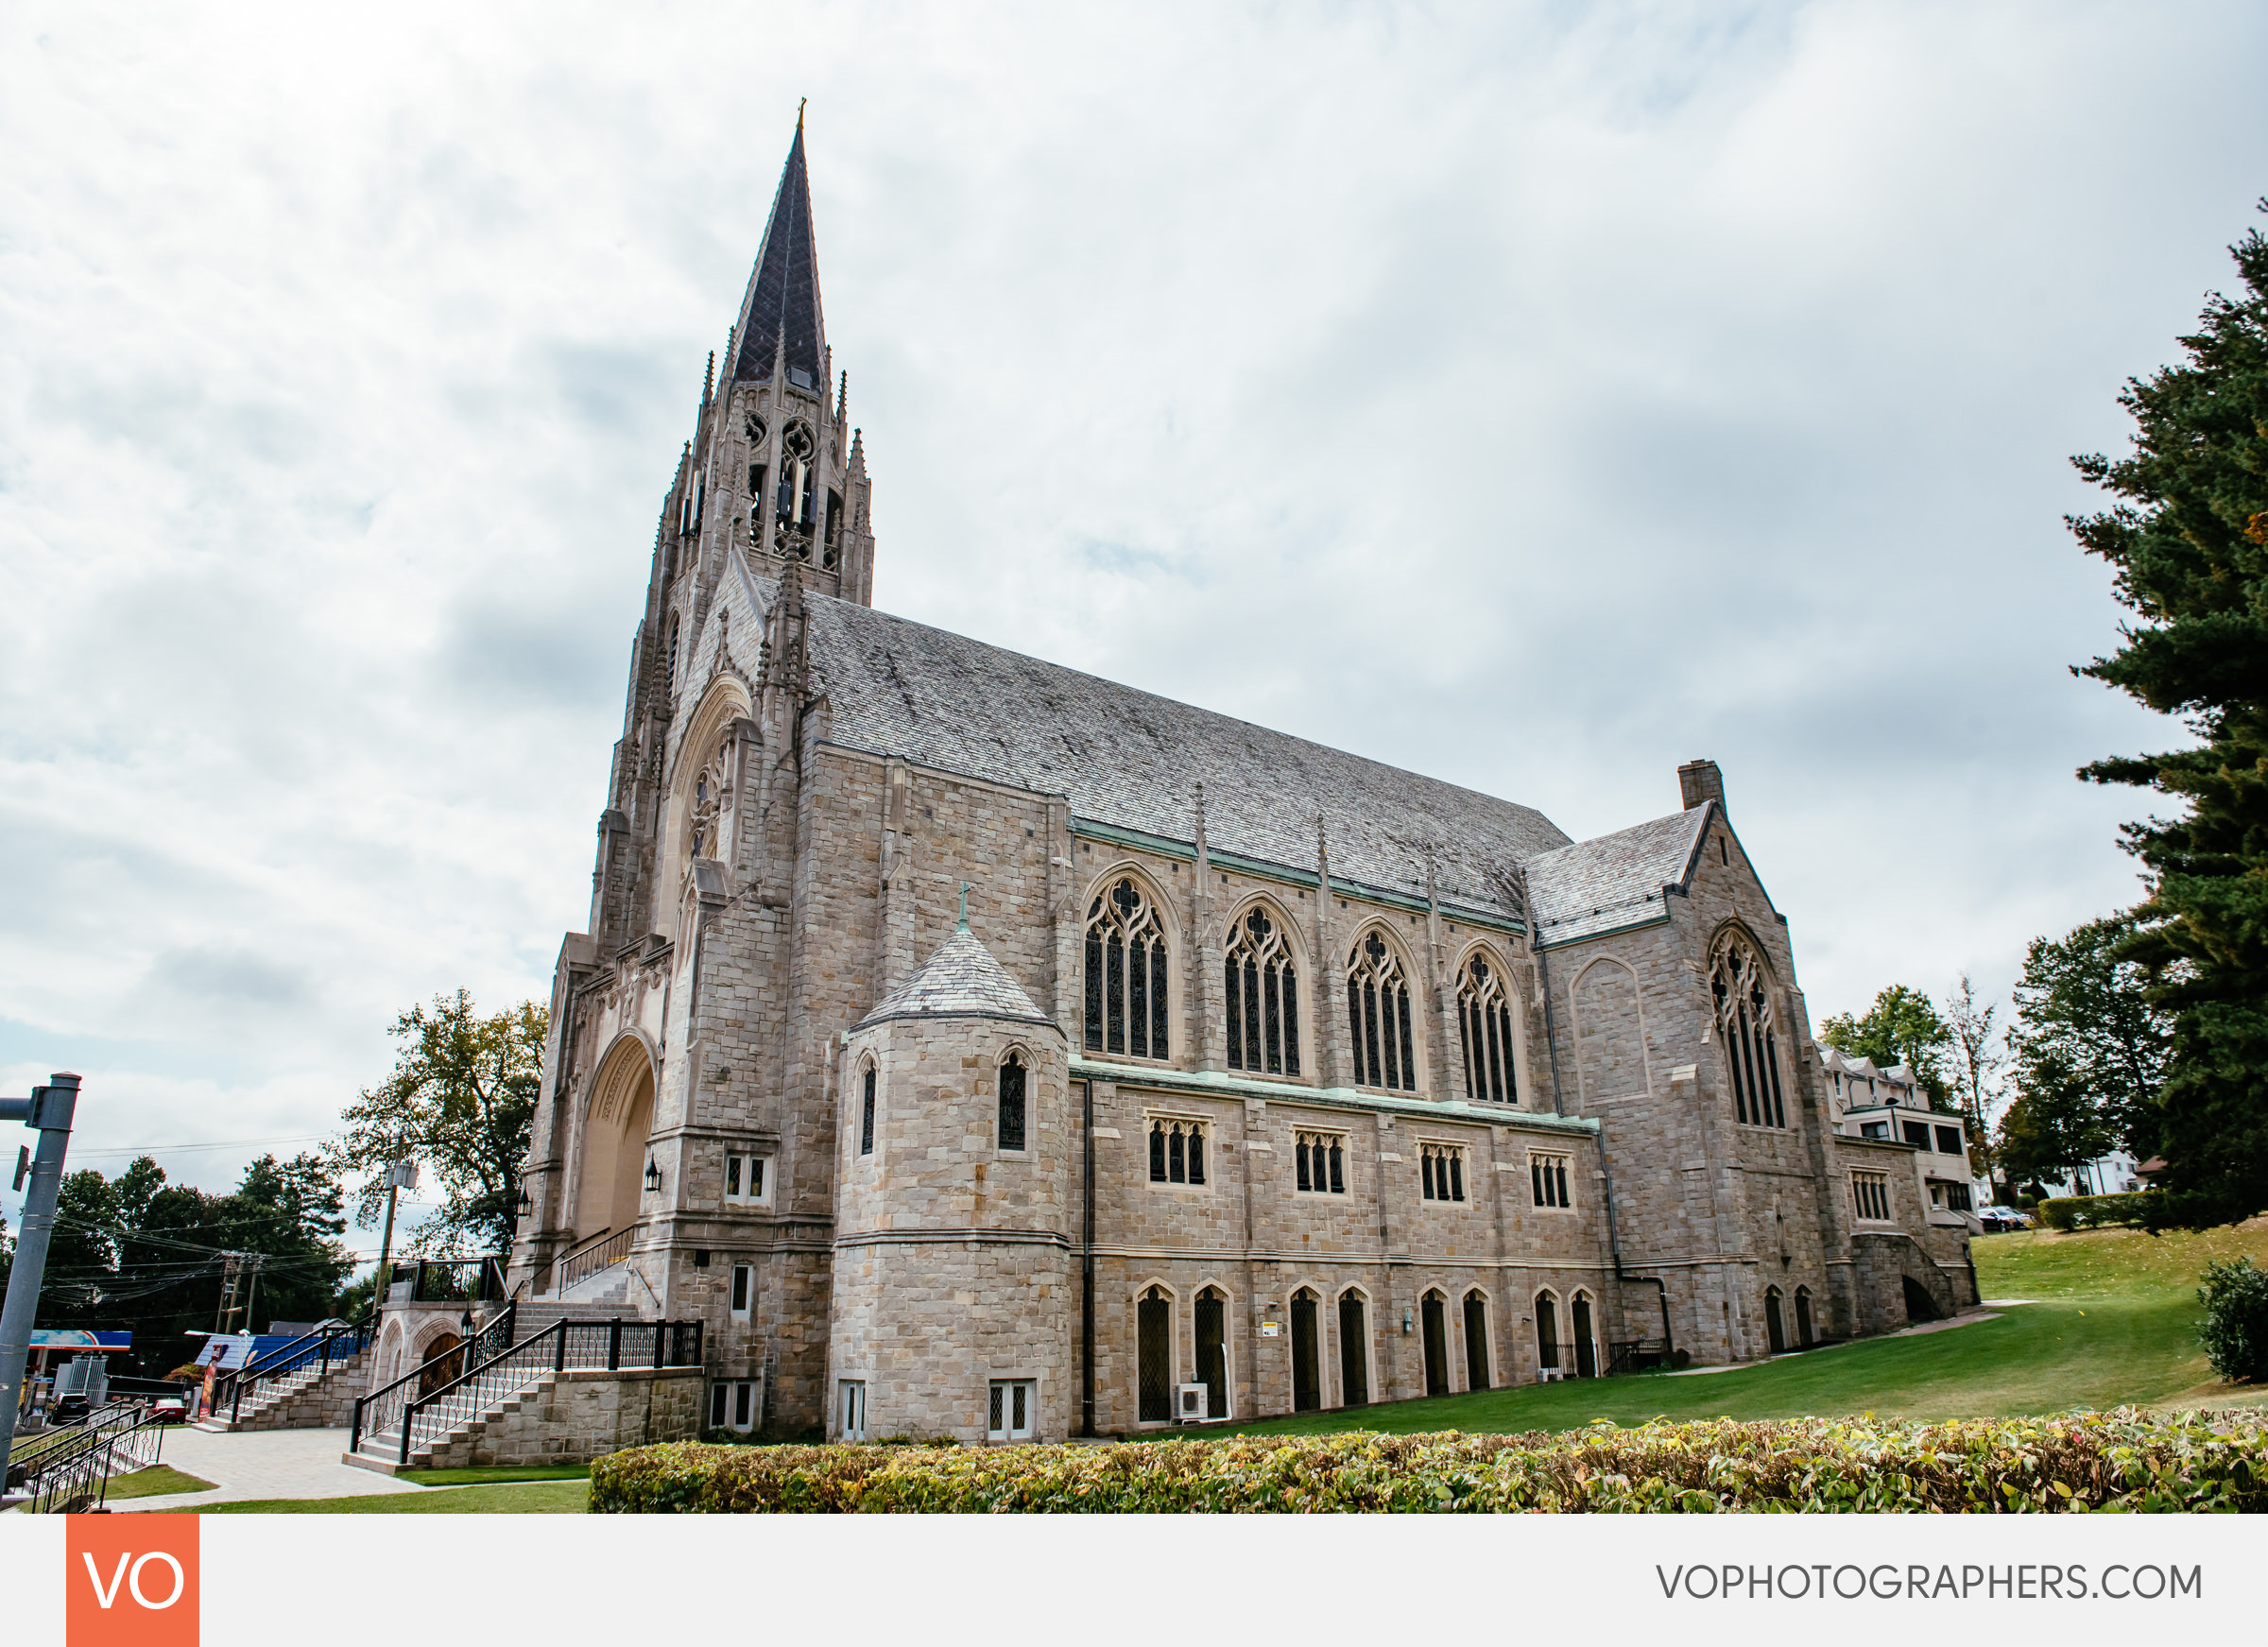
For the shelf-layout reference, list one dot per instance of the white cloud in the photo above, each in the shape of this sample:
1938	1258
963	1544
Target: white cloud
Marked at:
1534	397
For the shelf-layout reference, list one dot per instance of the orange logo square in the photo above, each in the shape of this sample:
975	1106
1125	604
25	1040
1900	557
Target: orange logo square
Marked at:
131	1581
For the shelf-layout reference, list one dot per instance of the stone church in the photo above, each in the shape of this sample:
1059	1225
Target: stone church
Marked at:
978	1047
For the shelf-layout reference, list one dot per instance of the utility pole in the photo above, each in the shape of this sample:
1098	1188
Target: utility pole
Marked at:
258	1262
49	1108
224	1305
401	1174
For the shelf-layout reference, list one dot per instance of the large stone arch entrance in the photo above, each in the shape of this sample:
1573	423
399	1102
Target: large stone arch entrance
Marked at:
614	1134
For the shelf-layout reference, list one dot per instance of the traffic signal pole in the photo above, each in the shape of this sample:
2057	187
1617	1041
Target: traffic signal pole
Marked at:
49	1108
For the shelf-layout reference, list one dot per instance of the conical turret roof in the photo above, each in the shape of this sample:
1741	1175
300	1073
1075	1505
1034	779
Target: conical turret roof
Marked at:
781	308
961	980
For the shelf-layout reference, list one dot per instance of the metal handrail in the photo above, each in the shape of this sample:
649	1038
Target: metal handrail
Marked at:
607	1248
51	1444
374	1412
583	1346
65	1481
325	1343
442	1281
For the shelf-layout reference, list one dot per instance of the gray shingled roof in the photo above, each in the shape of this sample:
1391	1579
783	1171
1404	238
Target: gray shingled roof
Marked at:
961	980
1613	881
1132	760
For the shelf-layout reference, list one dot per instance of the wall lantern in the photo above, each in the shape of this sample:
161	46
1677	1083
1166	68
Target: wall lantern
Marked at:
525	1205
1405	1321
653	1175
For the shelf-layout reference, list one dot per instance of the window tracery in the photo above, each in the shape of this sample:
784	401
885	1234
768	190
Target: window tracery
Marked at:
1263	993
1378	1011
704	826
1176	1151
1485	1021
1747	1022
1126	999
792	508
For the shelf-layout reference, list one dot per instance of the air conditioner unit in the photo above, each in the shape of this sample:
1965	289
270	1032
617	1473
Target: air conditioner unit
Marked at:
1190	1403
1551	1375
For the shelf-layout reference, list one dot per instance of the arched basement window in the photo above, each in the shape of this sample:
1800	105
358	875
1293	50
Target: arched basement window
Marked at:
1377	1010
1484	1017
1749	1030
1011	1103
1262	993
1125	973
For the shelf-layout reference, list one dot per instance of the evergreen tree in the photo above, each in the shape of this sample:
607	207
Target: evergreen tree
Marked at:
2188	542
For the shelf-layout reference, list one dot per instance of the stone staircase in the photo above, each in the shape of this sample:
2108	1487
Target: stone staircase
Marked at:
520	1402
309	1397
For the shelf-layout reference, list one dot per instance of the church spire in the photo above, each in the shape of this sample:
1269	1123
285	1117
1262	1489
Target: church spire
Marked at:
780	315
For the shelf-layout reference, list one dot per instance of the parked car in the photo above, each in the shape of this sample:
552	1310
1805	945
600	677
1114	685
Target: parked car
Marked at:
173	1409
1998	1220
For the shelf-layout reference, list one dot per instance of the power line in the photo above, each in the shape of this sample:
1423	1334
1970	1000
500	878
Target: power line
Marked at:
148	1149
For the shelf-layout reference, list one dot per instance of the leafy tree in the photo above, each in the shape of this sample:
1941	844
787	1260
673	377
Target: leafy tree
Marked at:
461	1100
2054	1127
1976	1058
1902	1027
2187	540
2082	1000
138	1253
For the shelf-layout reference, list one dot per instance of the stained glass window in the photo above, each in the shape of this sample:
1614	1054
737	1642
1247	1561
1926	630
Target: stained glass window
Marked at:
1263	994
1484	1020
1127	997
1176	1151
1011	1103
1378	1011
1748	1033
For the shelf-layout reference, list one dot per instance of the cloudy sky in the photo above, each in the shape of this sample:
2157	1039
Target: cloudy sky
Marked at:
1533	396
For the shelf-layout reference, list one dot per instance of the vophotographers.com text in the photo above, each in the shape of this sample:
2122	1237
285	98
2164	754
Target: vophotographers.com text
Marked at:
1916	1581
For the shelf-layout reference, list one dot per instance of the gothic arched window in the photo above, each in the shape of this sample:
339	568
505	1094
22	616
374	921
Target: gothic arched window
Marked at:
1377	1010
1484	1019
704	827
1011	1105
669	674
1748	1028
1263	998
792	509
1125	973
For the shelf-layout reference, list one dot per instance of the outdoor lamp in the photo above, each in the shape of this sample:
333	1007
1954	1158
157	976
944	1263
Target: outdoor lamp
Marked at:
525	1205
653	1175
1405	1321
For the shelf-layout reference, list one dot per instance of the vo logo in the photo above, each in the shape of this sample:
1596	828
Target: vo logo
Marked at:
131	1581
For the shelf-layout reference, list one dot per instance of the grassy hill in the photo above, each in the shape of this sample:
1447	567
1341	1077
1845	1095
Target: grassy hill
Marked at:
2110	1323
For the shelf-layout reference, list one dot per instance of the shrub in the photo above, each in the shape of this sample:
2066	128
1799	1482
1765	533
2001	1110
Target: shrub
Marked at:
2097	1211
2126	1460
2234	1327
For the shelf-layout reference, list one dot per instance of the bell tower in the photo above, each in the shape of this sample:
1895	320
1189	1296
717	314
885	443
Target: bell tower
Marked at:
775	469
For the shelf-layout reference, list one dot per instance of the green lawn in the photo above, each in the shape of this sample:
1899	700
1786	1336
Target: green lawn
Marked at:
155	1481
542	1498
2111	1324
481	1475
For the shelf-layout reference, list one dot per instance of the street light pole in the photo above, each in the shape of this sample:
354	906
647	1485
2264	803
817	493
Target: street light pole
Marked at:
50	1109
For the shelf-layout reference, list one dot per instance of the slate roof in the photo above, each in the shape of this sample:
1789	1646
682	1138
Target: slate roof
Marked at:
961	980
1612	881
783	302
1133	760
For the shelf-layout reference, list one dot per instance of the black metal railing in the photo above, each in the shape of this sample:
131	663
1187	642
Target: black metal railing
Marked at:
321	1349
1631	1355
52	1443
447	1280
408	1415
75	1477
608	1248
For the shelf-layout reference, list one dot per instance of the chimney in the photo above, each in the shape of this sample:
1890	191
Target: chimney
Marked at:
1700	783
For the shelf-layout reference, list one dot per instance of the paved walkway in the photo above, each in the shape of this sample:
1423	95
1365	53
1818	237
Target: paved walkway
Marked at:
263	1463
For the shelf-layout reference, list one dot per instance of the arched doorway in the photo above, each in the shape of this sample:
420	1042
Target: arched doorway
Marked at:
1434	1310
1547	1332
1154	1333
1774	1327
1476	1340
1586	1349
1307	1381
614	1135
1919	1305
441	1363
1803	1316
1212	1350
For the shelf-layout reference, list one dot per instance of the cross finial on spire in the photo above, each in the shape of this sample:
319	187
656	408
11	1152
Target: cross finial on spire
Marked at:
963	923
799	102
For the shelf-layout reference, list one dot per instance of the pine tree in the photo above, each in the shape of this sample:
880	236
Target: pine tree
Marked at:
2188	542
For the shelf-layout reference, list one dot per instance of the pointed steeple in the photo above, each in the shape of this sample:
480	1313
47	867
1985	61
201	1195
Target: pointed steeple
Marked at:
780	315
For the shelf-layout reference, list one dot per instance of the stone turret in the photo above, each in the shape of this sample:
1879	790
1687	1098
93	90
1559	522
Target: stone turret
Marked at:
952	1305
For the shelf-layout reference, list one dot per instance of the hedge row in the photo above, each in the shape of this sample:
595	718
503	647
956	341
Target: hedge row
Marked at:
2096	1212
2126	1460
